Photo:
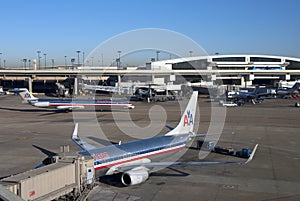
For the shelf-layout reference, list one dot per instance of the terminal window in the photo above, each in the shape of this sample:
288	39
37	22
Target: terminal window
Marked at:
192	65
264	59
229	59
294	65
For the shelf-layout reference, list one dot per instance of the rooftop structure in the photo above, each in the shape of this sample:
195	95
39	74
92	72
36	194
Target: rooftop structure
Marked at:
242	70
235	69
229	62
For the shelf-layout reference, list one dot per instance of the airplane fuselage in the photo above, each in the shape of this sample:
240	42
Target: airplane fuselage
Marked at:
152	149
80	103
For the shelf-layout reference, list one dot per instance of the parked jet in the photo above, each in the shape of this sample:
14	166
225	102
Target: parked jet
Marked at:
71	104
110	89
136	159
291	91
255	96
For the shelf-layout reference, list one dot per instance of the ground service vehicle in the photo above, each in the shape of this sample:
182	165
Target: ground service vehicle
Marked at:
205	145
224	150
244	153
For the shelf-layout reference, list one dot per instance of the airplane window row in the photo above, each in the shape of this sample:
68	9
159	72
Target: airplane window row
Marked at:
135	154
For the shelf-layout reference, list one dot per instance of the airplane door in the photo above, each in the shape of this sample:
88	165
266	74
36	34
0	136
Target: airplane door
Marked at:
89	175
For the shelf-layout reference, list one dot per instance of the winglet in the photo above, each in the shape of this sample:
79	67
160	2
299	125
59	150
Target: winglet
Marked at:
84	145
75	132
210	134
169	127
252	154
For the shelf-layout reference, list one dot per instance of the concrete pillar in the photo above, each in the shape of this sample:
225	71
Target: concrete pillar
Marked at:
213	77
287	76
251	78
119	80
243	81
153	78
119	83
30	84
75	92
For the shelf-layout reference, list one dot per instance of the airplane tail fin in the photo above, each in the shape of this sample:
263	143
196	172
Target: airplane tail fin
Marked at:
296	86
25	95
187	120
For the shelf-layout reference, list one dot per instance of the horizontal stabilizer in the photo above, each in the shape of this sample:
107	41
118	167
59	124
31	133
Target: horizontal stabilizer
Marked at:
169	127
211	134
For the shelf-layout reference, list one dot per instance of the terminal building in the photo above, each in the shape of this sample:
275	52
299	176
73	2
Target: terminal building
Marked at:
241	70
234	69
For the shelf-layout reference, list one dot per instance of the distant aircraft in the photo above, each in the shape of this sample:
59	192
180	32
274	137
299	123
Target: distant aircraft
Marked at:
256	96
142	92
110	89
136	159
71	104
291	91
2	92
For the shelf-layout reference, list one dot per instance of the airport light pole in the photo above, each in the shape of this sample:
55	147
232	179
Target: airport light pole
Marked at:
191	53
0	59
29	61
78	51
45	60
4	63
66	61
25	60
39	57
72	62
157	54
119	59
82	58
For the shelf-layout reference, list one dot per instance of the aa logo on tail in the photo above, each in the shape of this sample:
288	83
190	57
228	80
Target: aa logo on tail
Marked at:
27	95
188	119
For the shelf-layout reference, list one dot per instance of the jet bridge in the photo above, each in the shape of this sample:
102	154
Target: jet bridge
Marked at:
68	176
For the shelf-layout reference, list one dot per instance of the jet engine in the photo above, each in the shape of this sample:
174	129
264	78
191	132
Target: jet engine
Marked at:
135	176
70	107
42	104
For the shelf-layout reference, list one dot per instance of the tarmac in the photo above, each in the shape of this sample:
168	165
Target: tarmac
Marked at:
272	175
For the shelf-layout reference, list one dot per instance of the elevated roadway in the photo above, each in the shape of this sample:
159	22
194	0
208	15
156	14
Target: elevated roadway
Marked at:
88	74
63	72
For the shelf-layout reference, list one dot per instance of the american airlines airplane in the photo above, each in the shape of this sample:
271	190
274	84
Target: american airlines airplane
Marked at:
136	159
71	104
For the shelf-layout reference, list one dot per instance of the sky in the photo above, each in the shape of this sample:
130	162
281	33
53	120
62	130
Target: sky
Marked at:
61	27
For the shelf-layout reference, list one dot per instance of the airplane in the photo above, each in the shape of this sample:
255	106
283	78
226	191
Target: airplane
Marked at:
291	91
2	92
256	96
135	160
110	89
141	92
260	94
71	104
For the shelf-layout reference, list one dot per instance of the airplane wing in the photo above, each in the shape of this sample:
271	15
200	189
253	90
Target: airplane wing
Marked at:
150	165
84	145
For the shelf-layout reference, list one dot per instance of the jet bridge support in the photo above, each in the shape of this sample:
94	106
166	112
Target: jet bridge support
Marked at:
30	84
